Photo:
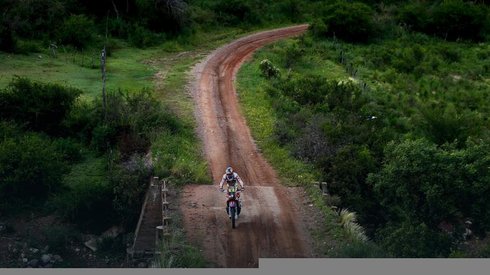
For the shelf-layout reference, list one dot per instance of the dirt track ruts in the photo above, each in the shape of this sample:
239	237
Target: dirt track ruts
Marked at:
270	225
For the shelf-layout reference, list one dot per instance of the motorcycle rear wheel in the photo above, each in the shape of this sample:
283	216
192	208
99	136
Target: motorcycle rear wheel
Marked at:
233	221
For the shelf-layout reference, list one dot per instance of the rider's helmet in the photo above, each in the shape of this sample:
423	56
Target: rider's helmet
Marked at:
229	174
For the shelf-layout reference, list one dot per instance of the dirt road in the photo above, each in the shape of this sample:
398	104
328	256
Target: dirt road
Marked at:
271	224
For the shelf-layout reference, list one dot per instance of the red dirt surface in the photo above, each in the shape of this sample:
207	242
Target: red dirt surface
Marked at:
272	222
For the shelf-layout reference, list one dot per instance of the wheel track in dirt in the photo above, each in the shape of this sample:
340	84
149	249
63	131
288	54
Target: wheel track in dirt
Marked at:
271	224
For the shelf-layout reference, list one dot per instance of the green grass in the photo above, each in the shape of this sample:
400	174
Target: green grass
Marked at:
92	170
125	70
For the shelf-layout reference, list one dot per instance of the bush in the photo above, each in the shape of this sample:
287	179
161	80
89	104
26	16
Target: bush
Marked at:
415	15
87	198
30	169
69	149
268	69
41	107
235	12
414	241
34	18
132	118
352	22
318	28
359	249
141	37
130	183
452	19
445	124
456	19
78	31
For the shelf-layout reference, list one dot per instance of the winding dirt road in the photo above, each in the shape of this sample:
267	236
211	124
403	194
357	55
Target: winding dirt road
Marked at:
271	224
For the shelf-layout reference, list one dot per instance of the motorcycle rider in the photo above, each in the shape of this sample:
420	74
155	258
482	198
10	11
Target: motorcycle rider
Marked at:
231	178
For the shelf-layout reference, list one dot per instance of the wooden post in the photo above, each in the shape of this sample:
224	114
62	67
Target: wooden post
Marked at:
324	188
103	69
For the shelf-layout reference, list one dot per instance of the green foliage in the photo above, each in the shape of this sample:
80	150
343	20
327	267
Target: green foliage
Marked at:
414	240
87	200
132	119
268	69
78	31
130	182
351	22
30	169
446	125
360	250
175	252
451	19
141	37
69	149
420	182
41	107
235	12
34	18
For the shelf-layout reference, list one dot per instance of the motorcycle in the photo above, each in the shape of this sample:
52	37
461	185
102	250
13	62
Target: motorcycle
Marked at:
233	204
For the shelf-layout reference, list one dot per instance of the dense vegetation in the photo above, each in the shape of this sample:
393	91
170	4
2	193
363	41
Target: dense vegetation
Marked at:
48	132
401	136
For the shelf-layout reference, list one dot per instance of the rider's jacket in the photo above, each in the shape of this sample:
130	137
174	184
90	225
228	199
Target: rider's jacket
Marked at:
235	179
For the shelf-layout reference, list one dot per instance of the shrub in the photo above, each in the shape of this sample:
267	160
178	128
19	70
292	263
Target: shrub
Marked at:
268	69
318	28
457	19
445	124
359	249
415	15
77	30
352	22
87	198
69	149
30	169
34	18
452	19
130	181
132	118
414	240
41	107
235	12
292	54
141	37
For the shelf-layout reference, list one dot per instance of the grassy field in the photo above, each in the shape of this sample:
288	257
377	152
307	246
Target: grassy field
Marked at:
125	69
